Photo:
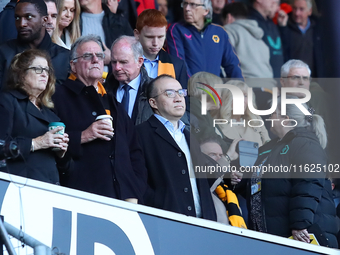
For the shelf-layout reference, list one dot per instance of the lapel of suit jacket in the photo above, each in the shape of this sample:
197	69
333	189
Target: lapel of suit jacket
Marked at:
161	130
28	106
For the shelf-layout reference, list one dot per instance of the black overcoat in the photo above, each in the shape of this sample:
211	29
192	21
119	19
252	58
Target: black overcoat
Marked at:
169	185
21	121
115	168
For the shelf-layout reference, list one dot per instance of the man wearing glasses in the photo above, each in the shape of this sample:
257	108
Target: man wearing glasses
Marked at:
202	45
172	184
108	160
296	73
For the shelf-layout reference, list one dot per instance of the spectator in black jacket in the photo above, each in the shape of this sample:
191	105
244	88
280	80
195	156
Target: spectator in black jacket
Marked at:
31	18
301	38
297	202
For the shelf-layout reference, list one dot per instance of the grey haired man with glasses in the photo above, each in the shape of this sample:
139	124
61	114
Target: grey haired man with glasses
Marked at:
107	157
297	74
203	46
172	184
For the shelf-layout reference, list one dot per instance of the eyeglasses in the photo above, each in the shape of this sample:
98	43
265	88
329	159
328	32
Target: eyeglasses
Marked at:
192	5
296	78
39	69
90	56
171	93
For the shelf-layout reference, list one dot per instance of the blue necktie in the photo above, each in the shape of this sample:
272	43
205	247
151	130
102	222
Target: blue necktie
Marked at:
126	97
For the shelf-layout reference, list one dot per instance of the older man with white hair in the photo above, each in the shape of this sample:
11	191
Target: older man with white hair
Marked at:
129	78
297	74
201	44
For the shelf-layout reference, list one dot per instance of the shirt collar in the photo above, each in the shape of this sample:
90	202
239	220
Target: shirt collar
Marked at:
134	84
155	60
304	30
169	125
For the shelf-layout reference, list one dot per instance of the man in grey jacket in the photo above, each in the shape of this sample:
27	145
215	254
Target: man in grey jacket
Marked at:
246	37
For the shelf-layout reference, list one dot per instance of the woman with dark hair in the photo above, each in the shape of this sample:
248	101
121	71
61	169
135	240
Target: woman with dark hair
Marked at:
294	199
25	113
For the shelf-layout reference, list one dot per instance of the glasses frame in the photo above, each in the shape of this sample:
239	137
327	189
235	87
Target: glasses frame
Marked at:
298	77
42	69
191	5
176	92
92	56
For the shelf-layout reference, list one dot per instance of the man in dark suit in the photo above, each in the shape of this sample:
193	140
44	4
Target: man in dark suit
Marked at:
129	79
172	182
105	162
151	31
30	20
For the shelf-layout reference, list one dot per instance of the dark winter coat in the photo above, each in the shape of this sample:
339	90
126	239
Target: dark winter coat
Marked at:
114	169
306	47
168	178
21	121
290	203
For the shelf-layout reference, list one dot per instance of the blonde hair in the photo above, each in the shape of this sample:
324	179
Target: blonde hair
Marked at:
226	109
73	28
202	77
18	71
316	125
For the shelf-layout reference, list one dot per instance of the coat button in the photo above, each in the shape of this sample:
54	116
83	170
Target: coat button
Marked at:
94	113
183	171
185	190
189	208
111	157
179	154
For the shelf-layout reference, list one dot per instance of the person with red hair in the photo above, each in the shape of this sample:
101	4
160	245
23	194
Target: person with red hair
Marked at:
150	31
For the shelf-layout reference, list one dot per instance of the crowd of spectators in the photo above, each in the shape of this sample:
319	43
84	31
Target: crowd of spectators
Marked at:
156	74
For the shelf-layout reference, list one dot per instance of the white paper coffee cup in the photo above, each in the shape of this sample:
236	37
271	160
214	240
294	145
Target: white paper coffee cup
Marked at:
107	118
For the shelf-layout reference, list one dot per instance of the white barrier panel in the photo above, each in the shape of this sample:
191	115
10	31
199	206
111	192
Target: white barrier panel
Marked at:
75	222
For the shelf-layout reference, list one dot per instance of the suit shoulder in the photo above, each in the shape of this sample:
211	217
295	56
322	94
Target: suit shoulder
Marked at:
59	49
144	127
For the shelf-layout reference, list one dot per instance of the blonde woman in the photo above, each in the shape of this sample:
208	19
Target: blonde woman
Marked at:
202	125
68	23
237	126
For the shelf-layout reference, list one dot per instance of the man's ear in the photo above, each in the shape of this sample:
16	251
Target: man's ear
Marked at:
310	11
73	68
136	33
206	12
140	62
44	20
153	103
282	82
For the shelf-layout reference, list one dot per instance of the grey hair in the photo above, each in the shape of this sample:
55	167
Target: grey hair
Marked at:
136	46
293	63
309	3
317	125
80	41
208	6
